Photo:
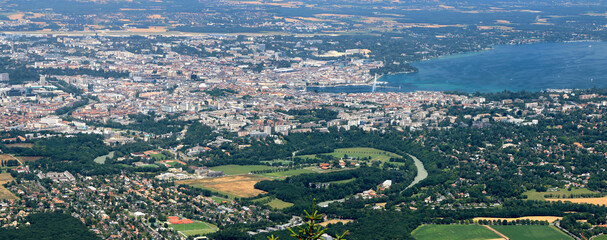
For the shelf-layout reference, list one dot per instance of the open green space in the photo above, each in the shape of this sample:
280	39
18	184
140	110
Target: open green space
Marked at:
230	196
159	156
531	232
279	204
149	165
453	232
274	203
240	169
363	152
260	199
343	181
289	173
278	162
173	164
219	199
600	237
534	195
196	228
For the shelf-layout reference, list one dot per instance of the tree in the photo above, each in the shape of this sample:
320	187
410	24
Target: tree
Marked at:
311	230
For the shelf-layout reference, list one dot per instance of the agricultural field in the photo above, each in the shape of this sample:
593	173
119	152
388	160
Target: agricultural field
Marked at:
531	232
28	159
597	201
233	186
454	232
5	193
240	169
533	195
196	228
20	145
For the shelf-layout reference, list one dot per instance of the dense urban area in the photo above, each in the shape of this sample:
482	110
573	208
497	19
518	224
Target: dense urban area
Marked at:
212	120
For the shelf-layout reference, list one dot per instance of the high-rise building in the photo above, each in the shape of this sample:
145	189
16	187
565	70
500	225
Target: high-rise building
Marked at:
4	77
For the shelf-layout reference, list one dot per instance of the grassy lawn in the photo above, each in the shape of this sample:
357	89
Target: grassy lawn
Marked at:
361	152
149	165
306	156
601	237
158	157
288	173
343	181
533	232
279	204
220	199
278	161
453	232
196	228
240	169
260	199
533	195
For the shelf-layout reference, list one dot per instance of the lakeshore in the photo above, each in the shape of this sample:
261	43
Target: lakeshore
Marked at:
530	67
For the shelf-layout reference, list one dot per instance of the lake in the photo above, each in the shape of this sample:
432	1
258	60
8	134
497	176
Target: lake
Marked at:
531	67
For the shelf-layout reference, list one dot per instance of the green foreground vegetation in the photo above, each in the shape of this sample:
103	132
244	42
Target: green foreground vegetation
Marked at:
453	232
531	232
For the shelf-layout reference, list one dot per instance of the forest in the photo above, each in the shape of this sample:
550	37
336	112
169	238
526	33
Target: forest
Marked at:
49	226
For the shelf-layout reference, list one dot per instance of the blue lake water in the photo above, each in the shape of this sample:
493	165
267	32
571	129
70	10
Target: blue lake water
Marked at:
531	67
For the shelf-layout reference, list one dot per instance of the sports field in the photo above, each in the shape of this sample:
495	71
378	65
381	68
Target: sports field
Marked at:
453	232
196	228
240	169
531	232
